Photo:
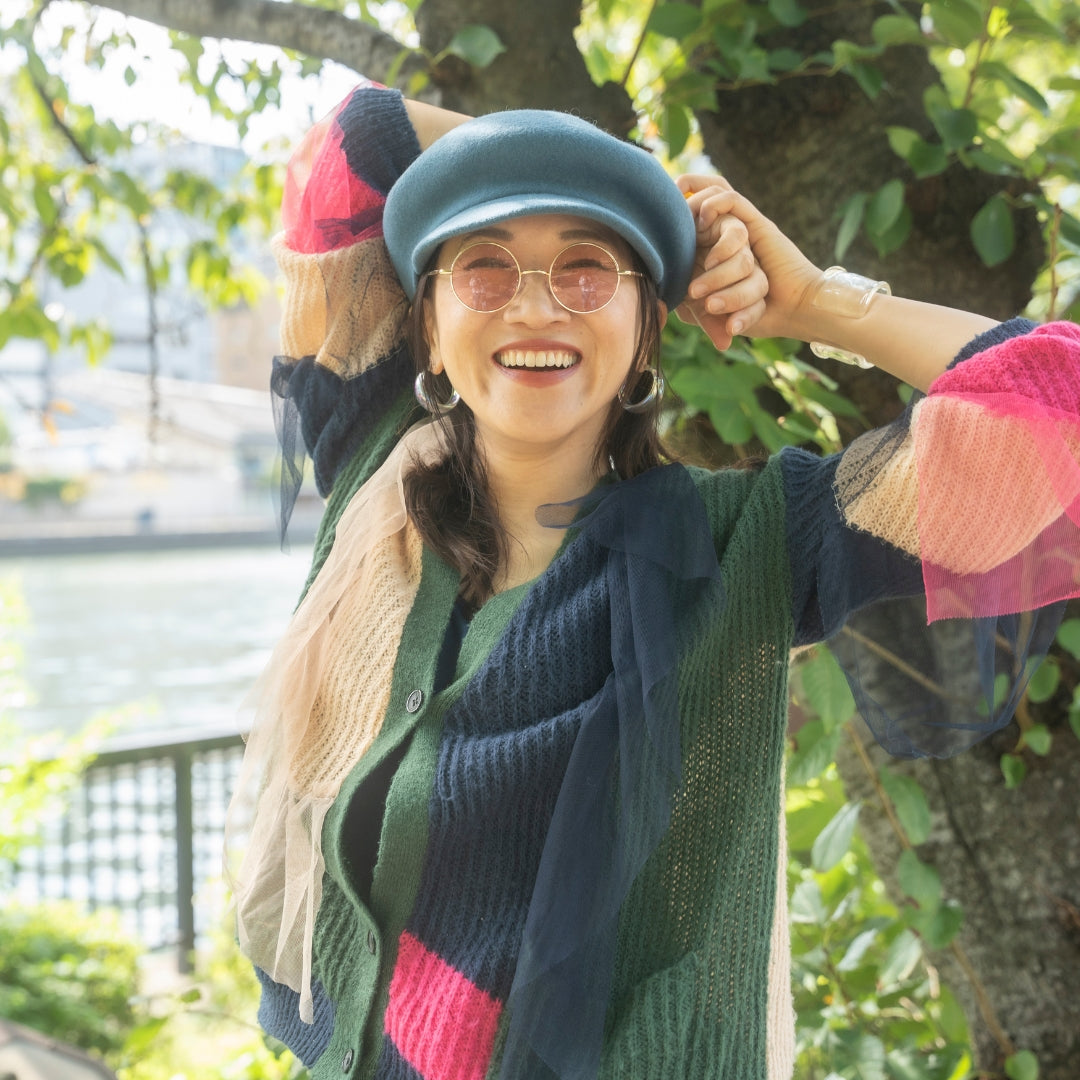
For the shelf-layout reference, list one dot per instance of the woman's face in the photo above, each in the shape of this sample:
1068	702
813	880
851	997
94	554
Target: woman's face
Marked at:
535	374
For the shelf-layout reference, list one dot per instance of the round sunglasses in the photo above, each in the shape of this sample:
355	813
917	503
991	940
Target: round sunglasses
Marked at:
486	277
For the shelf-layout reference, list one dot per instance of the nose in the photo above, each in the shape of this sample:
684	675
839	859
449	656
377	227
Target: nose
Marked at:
535	304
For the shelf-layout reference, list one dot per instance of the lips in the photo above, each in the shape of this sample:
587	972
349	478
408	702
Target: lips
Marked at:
537	358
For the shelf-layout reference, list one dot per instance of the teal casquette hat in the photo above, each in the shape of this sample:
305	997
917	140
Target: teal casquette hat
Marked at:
526	161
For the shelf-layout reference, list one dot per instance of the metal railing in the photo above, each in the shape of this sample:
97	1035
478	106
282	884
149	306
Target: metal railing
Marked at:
142	834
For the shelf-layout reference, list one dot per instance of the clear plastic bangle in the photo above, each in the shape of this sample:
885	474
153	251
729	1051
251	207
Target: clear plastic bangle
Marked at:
827	352
849	296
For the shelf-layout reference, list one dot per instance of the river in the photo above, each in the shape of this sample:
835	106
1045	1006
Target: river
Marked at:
159	641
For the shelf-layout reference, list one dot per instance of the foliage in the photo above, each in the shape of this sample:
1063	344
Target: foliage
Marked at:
70	975
758	394
82	193
867	996
206	1030
1007	103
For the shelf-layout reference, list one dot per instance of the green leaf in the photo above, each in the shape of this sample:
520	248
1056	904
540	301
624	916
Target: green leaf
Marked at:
856	951
1013	769
192	995
815	751
925	159
1074	721
939	928
957	127
884	207
896	30
869	78
992	231
920	882
904	953
675	128
807	905
675	20
991	69
835	839
1038	739
850	221
910	802
1044	681
1023	1065
863	1055
827	690
784	59
959	22
142	1037
787	12
1068	637
478	45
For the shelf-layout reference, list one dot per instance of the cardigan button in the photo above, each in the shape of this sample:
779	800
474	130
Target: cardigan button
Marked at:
347	1060
414	701
371	942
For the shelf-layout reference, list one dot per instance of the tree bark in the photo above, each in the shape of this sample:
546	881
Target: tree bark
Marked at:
314	31
1011	858
542	67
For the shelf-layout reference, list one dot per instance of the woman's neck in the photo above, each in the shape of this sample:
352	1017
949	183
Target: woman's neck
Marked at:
522	480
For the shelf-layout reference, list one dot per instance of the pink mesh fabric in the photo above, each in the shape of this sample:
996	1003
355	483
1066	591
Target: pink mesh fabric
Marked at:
322	195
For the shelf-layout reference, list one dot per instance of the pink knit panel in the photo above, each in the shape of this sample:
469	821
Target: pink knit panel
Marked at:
997	446
442	1024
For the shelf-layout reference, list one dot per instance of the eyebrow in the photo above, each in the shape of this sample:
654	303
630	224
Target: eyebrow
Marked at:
493	232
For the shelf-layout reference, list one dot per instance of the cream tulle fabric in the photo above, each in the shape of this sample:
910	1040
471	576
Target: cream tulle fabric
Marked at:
298	751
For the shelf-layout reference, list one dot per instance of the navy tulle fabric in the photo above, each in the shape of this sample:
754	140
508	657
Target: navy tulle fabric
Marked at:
614	805
934	691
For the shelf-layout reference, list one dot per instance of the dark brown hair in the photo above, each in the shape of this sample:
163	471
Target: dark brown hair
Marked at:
450	501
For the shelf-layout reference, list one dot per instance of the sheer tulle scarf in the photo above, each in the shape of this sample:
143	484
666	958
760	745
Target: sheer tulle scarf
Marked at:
293	767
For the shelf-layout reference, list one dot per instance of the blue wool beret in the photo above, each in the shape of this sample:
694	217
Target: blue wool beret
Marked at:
528	161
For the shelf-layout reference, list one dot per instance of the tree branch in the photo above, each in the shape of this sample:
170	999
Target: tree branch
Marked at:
314	31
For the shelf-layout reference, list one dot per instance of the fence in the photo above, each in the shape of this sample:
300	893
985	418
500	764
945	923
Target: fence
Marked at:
142	834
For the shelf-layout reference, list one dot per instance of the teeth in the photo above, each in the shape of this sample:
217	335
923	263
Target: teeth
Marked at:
516	358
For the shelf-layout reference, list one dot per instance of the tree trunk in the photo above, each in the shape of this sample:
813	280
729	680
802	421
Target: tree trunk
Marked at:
542	67
1012	860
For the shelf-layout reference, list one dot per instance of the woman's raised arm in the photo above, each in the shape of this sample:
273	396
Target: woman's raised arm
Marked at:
912	340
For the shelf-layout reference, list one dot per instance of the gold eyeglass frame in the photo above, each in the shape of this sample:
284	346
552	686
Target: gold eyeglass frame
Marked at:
619	275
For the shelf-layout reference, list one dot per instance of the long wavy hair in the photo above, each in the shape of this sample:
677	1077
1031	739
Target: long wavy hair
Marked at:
450	501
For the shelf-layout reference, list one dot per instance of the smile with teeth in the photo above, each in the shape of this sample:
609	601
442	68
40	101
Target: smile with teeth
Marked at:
533	358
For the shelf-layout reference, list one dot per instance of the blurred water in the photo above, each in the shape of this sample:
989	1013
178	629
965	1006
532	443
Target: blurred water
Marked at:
172	638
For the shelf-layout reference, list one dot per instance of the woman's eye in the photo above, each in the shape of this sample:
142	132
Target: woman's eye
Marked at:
586	264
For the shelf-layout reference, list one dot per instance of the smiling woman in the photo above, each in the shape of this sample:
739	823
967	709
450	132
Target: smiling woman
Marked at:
512	799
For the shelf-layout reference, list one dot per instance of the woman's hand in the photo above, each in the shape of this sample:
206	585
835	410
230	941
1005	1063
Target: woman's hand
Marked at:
719	211
727	291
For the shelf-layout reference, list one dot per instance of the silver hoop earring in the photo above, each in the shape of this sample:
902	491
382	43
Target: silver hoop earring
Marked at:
428	400
654	396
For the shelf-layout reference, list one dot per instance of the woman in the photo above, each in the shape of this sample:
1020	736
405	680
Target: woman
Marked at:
517	764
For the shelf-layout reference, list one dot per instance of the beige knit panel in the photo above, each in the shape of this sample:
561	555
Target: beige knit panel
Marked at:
780	1045
346	307
985	491
888	505
361	649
